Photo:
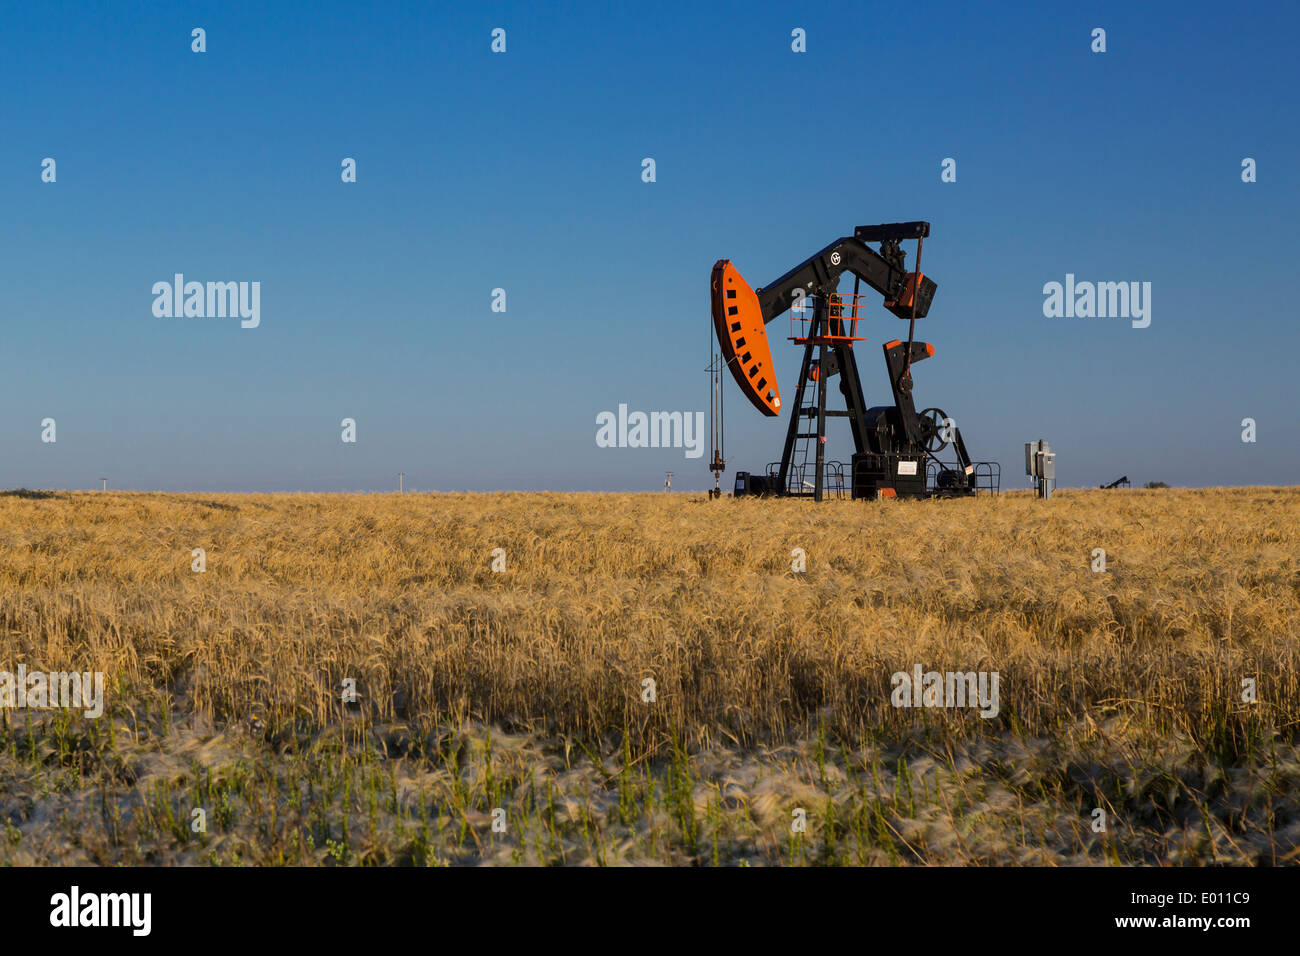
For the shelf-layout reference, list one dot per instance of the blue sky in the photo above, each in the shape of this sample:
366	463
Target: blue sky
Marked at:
523	171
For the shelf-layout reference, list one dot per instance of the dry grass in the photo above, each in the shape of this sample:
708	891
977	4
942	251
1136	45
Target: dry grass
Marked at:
523	689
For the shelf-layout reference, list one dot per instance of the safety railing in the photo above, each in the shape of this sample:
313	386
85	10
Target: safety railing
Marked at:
842	313
947	477
799	480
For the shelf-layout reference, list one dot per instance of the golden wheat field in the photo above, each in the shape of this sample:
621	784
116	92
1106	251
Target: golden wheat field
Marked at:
647	678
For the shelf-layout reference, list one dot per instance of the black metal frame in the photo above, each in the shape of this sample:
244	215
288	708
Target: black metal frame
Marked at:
884	271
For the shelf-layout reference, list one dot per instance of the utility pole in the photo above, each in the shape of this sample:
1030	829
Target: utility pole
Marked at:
401	475
105	481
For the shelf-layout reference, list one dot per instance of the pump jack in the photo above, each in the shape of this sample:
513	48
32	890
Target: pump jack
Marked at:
893	444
